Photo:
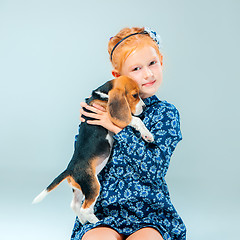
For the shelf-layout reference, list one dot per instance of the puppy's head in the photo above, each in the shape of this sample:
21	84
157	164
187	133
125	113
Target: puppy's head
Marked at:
124	101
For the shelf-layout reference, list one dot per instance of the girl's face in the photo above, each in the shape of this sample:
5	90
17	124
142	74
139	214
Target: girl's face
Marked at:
144	66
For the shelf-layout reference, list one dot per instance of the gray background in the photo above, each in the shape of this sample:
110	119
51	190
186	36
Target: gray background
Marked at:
54	52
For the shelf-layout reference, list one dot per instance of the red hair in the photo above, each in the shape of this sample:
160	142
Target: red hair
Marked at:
128	45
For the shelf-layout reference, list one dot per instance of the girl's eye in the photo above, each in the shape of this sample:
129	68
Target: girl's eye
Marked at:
152	63
136	69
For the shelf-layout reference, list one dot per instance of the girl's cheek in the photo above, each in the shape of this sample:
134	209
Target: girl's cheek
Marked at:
135	75
131	75
136	79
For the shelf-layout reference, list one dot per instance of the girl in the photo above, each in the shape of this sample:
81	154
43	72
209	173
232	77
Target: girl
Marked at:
134	202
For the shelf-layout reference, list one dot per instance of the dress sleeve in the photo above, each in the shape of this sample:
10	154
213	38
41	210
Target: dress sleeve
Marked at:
151	160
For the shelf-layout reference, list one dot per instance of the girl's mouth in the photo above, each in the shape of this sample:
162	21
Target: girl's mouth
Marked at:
149	84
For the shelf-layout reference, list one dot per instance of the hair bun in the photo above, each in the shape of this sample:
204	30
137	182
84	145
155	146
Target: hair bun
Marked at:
154	35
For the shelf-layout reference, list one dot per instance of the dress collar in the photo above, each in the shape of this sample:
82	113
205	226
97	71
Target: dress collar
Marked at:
151	100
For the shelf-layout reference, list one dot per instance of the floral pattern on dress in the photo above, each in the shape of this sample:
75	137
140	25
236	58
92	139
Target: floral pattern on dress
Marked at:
133	192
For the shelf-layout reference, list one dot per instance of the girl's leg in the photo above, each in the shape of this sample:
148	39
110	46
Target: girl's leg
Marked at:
102	233
146	233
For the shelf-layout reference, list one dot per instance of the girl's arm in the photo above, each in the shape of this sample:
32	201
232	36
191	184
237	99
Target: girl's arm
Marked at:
151	160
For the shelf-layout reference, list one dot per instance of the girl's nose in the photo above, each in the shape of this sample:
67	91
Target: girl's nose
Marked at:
147	73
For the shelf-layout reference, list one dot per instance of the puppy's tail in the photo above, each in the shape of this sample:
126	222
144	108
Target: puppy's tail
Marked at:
53	185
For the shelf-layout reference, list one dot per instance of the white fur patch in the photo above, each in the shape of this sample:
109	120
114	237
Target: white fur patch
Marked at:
139	107
139	125
109	137
100	166
40	197
77	201
101	94
87	215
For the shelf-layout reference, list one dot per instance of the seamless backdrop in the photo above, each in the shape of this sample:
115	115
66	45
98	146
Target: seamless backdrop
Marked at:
54	52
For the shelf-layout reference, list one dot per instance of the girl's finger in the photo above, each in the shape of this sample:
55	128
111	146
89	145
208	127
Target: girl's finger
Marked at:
93	122
91	115
93	109
99	107
81	112
83	104
82	119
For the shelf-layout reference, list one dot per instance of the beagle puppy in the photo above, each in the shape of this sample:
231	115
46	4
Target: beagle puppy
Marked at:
120	97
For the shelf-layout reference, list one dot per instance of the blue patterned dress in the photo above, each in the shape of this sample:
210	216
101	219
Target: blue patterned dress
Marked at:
134	193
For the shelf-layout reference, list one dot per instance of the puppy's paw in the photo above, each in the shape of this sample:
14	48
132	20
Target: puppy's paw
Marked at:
147	136
86	215
92	218
82	219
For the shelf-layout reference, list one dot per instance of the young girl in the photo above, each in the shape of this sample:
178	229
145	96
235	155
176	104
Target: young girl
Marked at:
134	201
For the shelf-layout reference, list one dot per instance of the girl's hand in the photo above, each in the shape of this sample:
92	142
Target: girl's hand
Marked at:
100	115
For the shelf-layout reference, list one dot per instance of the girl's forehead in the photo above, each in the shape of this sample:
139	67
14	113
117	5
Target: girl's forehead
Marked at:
140	55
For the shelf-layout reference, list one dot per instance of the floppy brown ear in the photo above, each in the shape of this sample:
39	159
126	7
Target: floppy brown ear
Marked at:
118	108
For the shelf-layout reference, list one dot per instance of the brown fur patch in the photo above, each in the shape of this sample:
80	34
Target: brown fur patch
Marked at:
123	99
88	202
118	108
73	183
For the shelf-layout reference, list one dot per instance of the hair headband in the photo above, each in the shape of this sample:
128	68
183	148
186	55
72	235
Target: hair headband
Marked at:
155	37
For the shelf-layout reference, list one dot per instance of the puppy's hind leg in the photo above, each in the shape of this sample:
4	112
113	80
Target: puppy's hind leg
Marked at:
77	200
91	195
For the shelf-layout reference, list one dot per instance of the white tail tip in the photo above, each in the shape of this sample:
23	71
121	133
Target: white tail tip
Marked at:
40	197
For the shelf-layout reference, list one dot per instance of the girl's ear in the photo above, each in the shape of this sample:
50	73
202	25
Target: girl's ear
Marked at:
118	108
161	59
115	73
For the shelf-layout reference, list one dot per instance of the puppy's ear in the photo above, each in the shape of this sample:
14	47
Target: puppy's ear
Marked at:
118	108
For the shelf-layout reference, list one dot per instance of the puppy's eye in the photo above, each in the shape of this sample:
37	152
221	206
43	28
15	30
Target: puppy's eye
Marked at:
135	95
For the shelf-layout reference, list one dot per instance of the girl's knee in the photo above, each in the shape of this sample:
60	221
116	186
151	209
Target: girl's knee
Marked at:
102	233
147	233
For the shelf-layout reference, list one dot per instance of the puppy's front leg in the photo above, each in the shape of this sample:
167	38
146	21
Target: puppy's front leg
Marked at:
139	125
